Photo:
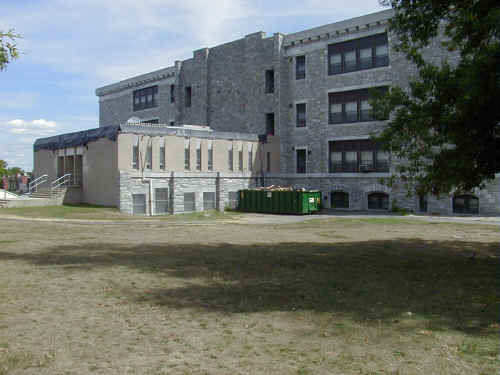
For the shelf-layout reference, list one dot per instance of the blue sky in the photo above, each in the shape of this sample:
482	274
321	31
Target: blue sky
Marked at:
71	47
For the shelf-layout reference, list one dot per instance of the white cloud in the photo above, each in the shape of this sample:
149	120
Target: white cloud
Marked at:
38	127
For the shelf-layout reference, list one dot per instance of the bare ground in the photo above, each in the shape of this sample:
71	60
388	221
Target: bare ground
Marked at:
334	296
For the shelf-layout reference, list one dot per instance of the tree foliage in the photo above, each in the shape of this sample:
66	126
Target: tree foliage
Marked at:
8	48
446	125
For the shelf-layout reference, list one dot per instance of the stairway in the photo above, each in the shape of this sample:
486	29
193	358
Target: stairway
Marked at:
47	193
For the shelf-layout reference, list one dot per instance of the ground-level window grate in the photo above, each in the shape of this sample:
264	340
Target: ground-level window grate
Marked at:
161	201
189	202
232	200
139	204
208	201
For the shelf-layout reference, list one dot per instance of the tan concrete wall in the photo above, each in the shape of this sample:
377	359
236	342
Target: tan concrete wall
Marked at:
174	153
45	162
100	173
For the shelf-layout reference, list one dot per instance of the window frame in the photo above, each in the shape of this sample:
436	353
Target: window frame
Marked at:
135	157
138	104
357	45
172	93
188	98
270	123
304	170
343	98
162	158
149	157
299	122
300	68
357	146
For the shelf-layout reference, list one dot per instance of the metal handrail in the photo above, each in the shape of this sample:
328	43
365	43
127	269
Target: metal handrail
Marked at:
33	185
63	180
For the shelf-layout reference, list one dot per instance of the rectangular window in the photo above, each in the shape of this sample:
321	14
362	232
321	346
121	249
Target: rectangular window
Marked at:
301	156
300	67
230	157
358	54
135	157
270	123
162	158
269	81
189	202
171	123
187	155
240	160
151	122
188	96
210	155
172	93
149	157
268	162
161	201
138	204
351	106
250	156
145	98
301	115
357	156
208	201
198	155
232	199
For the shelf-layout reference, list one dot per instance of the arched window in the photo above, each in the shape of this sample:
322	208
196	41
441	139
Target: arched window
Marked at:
339	199
378	201
465	204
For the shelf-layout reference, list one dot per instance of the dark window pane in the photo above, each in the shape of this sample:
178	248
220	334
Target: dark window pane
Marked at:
300	67
350	61
336	63
269	81
301	161
188	96
465	204
378	201
301	114
270	123
340	199
382	55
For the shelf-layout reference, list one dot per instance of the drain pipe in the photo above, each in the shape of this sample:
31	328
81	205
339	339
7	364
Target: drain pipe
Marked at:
144	179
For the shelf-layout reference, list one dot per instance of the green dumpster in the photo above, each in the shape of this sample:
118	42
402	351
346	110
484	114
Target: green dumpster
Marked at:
279	201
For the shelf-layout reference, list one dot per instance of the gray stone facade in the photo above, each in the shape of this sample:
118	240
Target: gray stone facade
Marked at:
228	86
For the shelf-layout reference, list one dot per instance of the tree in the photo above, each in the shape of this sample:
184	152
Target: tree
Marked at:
446	125
3	168
8	48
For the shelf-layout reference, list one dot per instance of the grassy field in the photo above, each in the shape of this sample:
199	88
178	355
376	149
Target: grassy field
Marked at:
339	296
91	212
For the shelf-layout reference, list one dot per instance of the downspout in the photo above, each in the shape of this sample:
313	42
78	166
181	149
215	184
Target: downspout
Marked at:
148	180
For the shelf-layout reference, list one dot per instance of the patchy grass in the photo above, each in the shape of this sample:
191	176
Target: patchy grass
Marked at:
93	212
325	297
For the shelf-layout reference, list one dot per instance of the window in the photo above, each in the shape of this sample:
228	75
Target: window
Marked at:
188	96
351	106
60	166
187	155
210	155
230	157
339	199
162	157
198	155
250	156
135	157
270	123
151	122
357	156
149	157
189	202
268	162
233	199
422	203
300	67
465	204
172	93
301	115
208	201
269	81
138	204
378	201
145	98
358	54
301	157
171	123
161	201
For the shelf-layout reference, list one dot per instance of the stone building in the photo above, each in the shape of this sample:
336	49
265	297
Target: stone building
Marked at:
309	91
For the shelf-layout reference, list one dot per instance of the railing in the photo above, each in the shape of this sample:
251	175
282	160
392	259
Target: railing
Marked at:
33	185
61	181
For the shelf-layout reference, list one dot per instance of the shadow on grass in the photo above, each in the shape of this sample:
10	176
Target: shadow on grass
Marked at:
370	281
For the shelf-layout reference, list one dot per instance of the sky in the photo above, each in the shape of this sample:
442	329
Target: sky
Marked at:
71	47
